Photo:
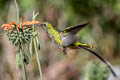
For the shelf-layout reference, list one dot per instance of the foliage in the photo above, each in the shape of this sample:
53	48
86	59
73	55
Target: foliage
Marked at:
96	71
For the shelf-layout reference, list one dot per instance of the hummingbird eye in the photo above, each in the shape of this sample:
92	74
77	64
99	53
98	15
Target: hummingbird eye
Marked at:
43	24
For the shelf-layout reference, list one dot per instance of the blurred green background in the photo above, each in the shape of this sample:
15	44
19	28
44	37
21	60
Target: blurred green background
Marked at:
103	33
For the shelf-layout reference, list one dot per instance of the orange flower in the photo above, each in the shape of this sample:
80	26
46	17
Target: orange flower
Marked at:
18	26
35	22
6	27
26	23
12	23
30	22
22	19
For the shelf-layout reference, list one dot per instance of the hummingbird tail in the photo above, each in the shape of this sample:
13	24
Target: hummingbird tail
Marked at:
101	58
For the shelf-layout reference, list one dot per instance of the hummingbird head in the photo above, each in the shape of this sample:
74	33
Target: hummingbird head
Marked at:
46	26
43	25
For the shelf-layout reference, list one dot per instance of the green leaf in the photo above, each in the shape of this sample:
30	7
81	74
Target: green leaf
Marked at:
31	47
19	59
38	44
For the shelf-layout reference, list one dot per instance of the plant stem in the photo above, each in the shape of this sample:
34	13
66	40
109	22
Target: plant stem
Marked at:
23	71
40	70
17	11
23	67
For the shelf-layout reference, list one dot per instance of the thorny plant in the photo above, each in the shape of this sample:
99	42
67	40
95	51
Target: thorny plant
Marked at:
21	34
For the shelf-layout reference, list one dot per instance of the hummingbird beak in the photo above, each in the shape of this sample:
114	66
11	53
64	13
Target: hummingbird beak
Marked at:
41	24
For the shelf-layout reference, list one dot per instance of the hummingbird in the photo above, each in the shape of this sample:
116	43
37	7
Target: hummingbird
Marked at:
66	39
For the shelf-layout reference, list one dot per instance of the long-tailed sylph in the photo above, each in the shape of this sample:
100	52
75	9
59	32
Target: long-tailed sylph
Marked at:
67	39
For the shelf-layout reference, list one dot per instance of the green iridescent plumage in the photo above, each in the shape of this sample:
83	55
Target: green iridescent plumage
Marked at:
54	34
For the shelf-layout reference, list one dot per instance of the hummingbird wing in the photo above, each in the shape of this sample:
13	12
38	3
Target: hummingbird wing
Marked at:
74	29
68	39
69	34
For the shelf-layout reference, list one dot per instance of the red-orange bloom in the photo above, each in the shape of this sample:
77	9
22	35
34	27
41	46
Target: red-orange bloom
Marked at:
35	22
22	19
12	23
26	23
6	27
29	23
18	26
9	26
